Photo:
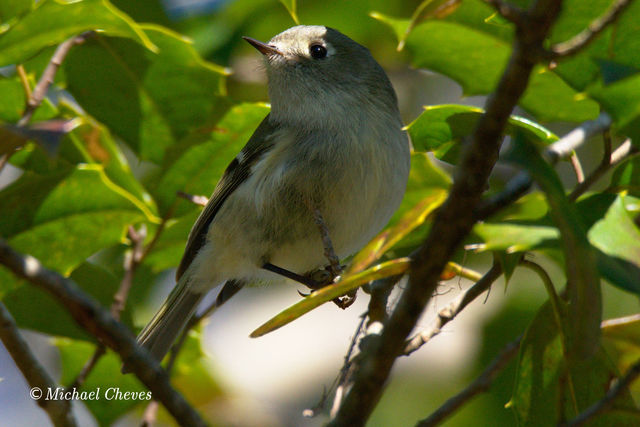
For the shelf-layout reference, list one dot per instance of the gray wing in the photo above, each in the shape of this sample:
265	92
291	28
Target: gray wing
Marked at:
235	174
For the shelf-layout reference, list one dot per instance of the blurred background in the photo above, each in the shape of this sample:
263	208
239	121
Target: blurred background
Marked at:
270	381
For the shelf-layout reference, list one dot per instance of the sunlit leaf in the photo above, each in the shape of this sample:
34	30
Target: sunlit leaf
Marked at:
389	237
154	100
440	128
326	294
63	218
52	22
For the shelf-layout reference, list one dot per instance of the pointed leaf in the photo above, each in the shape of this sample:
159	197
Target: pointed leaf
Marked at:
54	21
326	294
292	9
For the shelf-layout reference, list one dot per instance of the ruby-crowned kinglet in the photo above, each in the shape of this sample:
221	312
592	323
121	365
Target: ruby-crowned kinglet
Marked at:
333	141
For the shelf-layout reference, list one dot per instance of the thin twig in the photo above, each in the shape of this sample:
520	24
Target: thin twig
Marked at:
448	313
625	151
479	385
24	81
58	410
344	380
609	398
508	11
198	200
48	76
582	39
577	167
98	322
131	262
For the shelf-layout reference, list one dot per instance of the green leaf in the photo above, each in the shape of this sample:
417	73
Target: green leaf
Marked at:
622	101
426	180
427	9
540	366
621	339
328	293
54	21
63	218
551	387
513	238
292	9
585	306
12	9
626	177
36	310
616	234
440	128
13	102
169	248
196	167
389	237
476	60
154	100
398	26
105	379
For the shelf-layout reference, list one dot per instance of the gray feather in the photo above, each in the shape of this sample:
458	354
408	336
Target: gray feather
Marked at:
170	320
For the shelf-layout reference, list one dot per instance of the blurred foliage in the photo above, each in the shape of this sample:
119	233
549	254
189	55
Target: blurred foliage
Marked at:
145	107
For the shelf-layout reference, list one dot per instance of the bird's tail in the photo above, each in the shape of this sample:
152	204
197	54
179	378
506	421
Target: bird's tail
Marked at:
170	320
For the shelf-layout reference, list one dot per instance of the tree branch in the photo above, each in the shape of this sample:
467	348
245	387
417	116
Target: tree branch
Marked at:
453	221
609	160
479	385
97	321
131	263
48	75
59	411
448	313
582	40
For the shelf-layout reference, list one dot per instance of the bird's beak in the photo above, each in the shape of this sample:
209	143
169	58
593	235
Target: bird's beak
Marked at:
264	48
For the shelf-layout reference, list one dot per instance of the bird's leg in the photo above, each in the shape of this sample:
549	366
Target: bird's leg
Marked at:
334	262
305	280
334	268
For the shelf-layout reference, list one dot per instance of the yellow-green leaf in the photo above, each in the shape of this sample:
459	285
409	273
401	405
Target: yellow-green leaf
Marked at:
345	285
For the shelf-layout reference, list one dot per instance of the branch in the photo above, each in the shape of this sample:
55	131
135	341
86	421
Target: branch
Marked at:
479	385
453	221
447	314
48	75
560	149
581	40
577	167
131	263
59	411
198	200
607	401
625	151
97	321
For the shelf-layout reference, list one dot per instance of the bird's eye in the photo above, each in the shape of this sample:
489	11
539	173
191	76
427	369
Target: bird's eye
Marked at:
317	51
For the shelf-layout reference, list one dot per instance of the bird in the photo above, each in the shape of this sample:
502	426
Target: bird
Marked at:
331	154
